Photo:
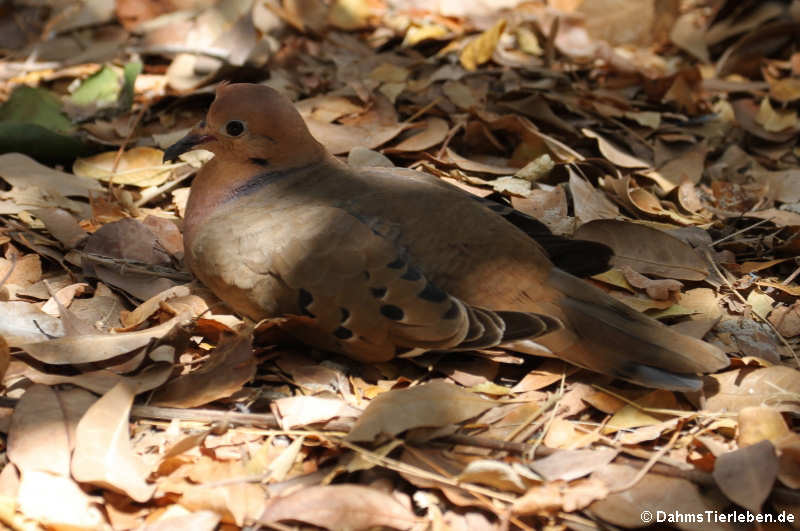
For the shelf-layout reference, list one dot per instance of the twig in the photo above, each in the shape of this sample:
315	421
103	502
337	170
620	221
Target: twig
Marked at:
650	462
729	236
124	266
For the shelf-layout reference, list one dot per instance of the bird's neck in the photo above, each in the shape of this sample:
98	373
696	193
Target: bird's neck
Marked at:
221	182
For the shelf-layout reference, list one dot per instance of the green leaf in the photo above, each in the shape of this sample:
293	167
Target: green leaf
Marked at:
38	106
130	72
39	142
101	88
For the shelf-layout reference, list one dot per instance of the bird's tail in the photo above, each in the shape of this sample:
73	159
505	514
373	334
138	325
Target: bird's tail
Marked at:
607	336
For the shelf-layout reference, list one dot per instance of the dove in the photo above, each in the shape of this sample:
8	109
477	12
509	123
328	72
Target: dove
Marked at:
376	263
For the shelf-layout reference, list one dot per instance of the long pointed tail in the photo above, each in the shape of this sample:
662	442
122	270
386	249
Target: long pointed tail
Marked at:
609	337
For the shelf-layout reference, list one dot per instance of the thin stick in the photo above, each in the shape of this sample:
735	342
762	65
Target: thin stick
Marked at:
729	236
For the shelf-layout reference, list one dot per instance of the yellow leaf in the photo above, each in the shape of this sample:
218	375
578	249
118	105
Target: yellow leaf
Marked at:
773	120
480	49
141	166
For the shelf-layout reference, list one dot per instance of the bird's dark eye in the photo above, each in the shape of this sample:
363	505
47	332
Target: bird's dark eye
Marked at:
234	128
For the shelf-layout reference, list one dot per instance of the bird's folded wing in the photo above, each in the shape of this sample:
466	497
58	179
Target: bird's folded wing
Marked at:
352	289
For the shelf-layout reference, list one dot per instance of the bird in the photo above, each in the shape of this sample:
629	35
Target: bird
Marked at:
378	263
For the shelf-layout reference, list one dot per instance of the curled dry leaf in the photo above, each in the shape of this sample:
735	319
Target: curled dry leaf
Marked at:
480	49
433	404
103	455
150	306
340	507
646	250
230	367
660	290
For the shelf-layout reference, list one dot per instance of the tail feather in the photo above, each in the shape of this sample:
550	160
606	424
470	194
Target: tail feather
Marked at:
609	337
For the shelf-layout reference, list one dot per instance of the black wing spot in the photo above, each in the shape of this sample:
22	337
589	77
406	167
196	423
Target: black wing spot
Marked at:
412	274
392	312
343	333
452	312
398	263
305	298
345	314
260	162
432	294
378	293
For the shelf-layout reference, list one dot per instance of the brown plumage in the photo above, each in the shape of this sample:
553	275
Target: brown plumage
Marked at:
378	262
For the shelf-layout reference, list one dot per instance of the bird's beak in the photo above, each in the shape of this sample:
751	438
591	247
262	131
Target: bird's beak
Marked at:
191	141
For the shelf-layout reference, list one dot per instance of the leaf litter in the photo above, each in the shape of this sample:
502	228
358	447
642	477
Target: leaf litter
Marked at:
134	399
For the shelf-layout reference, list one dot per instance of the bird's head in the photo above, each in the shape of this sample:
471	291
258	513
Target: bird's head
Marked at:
251	122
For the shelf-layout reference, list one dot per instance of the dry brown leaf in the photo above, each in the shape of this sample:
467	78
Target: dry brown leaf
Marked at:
97	347
432	404
746	475
237	500
761	423
340	507
495	474
61	225
341	138
194	521
549	372
22	171
38	439
646	250
152	377
612	152
146	309
103	455
590	203
777	387
297	411
433	131
660	497
572	464
58	502
660	290
230	367
558	495
63	298
786	320
141	166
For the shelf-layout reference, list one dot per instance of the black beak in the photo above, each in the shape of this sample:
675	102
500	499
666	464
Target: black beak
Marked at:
187	143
